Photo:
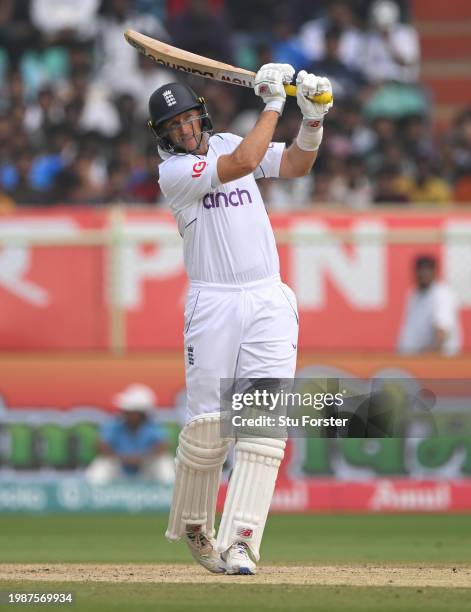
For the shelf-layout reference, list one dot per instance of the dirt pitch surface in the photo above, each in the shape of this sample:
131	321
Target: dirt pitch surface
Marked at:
368	575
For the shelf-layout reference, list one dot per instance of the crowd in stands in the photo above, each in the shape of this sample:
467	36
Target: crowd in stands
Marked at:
73	99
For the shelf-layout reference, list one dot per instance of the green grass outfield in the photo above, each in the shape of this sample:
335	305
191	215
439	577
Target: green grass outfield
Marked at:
419	540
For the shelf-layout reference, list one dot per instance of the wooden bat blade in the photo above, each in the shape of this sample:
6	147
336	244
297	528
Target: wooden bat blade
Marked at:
191	63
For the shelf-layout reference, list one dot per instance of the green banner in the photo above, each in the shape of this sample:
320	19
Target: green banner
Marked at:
75	495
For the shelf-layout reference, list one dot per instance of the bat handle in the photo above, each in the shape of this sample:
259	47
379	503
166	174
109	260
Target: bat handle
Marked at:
323	98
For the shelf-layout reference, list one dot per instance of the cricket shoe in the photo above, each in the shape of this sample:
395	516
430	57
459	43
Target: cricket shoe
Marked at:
203	550
238	560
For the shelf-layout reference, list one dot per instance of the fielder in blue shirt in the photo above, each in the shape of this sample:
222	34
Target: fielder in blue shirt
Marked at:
132	443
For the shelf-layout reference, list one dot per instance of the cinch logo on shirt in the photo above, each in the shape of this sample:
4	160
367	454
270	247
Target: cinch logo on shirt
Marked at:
220	199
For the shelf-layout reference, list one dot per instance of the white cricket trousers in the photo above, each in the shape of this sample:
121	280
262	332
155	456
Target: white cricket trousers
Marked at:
237	331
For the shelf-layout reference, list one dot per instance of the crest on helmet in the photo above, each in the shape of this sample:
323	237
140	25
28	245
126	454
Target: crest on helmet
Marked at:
169	97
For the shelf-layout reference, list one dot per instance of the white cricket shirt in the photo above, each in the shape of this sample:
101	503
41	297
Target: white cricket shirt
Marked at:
436	307
227	236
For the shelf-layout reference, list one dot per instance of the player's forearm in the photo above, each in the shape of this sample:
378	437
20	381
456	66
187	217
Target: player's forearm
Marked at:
298	162
252	149
246	157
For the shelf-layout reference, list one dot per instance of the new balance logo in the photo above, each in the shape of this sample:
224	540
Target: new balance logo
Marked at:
245	532
169	98
191	354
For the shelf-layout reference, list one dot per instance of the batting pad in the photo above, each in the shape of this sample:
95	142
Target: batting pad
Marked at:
250	492
200	456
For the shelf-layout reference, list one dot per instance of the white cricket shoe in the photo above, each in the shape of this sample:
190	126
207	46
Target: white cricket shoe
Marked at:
238	560
203	550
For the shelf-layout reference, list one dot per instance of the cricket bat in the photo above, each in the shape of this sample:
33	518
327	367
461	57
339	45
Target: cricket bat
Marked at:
178	59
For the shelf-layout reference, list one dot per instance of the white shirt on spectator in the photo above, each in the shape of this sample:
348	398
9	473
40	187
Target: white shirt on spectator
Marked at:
118	59
427	310
52	16
142	83
380	55
358	196
312	40
99	113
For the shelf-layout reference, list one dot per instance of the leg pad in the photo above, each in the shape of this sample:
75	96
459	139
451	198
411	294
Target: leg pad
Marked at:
250	493
200	456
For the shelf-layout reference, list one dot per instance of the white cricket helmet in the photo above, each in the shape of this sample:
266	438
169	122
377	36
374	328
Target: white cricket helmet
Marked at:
135	398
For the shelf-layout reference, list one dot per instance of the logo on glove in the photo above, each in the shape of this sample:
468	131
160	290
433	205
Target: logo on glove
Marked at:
245	532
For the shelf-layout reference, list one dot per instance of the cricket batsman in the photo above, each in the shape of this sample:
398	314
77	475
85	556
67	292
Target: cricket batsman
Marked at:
241	321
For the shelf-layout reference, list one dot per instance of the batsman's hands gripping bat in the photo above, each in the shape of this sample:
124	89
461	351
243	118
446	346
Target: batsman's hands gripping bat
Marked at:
269	85
307	87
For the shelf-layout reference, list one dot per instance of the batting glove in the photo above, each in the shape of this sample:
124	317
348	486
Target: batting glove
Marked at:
311	131
269	82
308	85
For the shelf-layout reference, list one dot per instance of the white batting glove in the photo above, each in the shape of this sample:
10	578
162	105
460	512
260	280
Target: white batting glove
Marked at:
309	85
311	131
269	82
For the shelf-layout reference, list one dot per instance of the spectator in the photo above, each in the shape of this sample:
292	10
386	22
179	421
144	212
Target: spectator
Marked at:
180	7
391	49
352	188
125	104
65	20
43	114
430	320
116	59
132	444
223	103
17	33
143	81
388	189
67	189
6	204
12	92
415	135
116	189
360	136
385	137
427	187
143	186
350	45
286	48
394	155
90	105
321	193
462	194
461	137
346	80
23	191
202	31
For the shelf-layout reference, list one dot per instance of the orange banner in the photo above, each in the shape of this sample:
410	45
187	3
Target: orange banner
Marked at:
67	380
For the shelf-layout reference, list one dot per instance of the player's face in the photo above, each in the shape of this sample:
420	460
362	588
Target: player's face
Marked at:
184	130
